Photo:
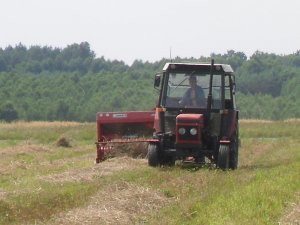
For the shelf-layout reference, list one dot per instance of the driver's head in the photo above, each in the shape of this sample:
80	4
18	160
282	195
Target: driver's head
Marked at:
193	81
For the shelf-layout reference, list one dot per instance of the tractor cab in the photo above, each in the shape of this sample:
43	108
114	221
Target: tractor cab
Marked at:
177	78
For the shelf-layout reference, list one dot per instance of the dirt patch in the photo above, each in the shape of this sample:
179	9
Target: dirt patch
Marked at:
105	168
125	204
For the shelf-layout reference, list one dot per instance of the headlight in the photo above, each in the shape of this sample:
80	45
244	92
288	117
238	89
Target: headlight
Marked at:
193	131
181	131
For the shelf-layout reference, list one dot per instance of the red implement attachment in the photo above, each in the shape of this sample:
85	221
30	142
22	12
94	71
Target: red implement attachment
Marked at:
122	127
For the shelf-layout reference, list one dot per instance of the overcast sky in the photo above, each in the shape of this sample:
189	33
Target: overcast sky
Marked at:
147	29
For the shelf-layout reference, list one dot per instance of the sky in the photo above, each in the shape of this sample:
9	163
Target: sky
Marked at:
149	30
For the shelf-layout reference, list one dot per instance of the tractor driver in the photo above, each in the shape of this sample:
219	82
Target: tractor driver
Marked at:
194	96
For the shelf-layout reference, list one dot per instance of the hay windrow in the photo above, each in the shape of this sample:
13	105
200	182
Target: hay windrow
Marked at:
292	215
134	150
39	124
247	121
3	194
63	142
254	152
26	147
125	204
105	168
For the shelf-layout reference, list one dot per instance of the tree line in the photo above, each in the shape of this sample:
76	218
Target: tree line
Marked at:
46	83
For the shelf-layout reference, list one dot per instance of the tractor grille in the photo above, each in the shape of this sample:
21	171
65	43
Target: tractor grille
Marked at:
170	124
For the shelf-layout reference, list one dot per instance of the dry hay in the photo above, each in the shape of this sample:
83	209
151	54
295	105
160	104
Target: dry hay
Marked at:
292	120
292	215
251	154
39	124
3	194
22	149
121	203
26	147
250	121
134	150
20	191
247	121
105	168
63	142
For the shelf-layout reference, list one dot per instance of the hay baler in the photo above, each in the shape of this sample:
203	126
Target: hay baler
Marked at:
191	121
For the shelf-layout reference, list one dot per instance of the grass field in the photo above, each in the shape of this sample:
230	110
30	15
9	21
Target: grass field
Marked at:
44	183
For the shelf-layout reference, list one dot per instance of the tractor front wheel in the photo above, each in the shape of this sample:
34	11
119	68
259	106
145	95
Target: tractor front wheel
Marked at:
153	159
234	153
223	157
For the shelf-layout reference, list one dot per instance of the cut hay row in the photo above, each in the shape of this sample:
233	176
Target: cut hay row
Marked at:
247	121
292	214
25	147
125	204
40	124
105	168
44	124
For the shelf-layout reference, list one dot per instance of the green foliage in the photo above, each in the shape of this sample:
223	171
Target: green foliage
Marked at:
45	83
8	112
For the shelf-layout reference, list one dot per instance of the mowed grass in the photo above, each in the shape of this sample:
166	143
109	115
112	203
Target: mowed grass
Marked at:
28	152
40	181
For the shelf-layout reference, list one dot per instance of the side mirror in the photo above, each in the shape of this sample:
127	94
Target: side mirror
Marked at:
157	80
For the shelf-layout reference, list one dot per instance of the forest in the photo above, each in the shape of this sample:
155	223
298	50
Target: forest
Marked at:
73	84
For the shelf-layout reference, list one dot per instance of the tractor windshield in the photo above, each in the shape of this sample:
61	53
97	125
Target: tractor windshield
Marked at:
191	90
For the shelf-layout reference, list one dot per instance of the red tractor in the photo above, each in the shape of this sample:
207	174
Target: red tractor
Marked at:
195	118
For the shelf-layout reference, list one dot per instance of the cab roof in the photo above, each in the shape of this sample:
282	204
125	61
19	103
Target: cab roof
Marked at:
198	67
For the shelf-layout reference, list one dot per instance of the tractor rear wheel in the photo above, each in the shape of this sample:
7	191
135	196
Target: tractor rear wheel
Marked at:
234	153
223	157
153	159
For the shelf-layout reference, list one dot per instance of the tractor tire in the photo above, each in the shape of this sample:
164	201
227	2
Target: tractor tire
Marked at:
234	153
153	159
223	157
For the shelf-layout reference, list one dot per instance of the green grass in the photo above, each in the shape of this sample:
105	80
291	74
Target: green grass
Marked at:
259	192
47	132
43	204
